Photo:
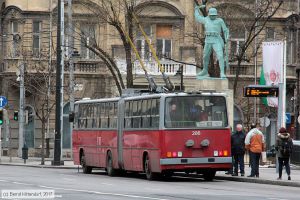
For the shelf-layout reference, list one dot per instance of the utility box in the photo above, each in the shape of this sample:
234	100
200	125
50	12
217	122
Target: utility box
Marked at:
295	158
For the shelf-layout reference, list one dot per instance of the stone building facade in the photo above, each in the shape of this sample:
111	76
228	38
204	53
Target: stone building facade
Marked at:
28	36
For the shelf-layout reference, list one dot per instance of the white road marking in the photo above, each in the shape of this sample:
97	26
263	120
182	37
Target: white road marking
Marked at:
19	183
276	199
103	193
109	184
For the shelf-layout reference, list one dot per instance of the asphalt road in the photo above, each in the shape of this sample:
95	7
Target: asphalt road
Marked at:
69	184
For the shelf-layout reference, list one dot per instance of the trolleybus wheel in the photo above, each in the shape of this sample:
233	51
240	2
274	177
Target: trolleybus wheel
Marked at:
147	167
85	168
109	165
209	175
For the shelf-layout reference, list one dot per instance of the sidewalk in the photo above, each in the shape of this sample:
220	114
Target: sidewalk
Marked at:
36	162
267	173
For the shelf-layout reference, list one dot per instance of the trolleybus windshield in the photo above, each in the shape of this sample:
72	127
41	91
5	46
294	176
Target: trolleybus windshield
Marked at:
196	112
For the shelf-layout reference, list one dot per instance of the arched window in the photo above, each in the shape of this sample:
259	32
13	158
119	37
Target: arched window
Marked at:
66	134
29	126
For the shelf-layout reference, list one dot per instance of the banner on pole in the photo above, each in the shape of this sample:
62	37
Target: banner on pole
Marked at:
272	66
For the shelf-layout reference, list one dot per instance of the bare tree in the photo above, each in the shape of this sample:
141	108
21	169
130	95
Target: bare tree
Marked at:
119	15
40	83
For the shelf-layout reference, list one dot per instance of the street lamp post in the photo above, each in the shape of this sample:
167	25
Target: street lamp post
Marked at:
297	113
57	139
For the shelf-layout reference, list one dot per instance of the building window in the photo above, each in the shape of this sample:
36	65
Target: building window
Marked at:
87	39
291	47
164	41
142	45
237	41
270	34
36	31
15	38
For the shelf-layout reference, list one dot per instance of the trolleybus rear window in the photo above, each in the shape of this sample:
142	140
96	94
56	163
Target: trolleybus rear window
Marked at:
196	112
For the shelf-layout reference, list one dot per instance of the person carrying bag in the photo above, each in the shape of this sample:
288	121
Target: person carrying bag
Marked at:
283	146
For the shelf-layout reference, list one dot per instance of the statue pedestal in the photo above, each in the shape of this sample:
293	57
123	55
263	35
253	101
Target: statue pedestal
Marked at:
215	85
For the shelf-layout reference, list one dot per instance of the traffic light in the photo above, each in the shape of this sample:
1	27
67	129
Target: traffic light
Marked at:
1	117
16	115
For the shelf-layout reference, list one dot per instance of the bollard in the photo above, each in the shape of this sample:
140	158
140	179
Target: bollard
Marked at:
25	153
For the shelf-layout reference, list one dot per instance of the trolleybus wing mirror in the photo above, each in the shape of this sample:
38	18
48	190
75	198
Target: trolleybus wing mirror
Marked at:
71	116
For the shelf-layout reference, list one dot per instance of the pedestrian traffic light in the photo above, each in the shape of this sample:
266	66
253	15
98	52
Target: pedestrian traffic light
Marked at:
1	117
16	115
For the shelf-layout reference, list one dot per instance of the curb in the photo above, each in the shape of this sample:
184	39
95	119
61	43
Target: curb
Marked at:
40	166
259	181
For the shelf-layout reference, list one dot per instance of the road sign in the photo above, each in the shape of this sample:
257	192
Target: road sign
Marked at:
3	101
261	91
264	121
288	118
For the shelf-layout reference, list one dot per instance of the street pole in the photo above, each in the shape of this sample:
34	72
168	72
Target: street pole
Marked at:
71	62
255	62
21	111
0	143
62	36
297	121
57	140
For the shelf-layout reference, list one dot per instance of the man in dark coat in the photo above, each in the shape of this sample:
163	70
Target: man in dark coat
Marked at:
238	150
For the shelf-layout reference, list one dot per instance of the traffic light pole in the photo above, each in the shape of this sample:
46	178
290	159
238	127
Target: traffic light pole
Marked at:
21	111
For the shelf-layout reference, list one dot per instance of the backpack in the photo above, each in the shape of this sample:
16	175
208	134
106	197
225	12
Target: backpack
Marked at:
286	148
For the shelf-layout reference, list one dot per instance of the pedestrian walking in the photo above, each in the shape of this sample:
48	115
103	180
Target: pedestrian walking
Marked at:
255	143
238	150
283	146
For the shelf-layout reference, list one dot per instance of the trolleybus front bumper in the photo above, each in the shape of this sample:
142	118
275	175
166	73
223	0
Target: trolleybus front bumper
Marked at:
184	161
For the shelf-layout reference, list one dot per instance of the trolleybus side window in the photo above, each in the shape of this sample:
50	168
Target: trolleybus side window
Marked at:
146	113
128	113
76	116
98	116
112	115
82	120
90	115
154	113
103	115
136	114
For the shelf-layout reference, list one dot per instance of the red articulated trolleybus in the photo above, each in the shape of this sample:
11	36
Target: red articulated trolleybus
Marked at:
154	133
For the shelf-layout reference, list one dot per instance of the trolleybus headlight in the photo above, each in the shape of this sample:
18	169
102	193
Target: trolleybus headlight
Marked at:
179	154
216	153
174	154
